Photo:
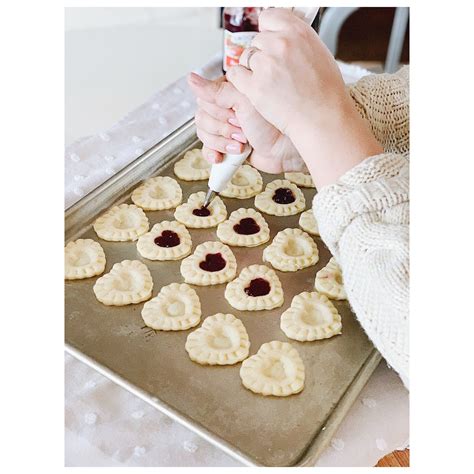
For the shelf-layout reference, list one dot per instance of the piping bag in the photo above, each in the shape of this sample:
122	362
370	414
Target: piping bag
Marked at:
222	173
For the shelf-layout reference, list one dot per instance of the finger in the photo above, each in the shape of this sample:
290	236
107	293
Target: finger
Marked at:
219	143
250	58
265	41
216	127
276	19
212	156
219	113
241	78
204	88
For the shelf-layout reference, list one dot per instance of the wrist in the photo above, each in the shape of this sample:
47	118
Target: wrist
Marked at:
333	139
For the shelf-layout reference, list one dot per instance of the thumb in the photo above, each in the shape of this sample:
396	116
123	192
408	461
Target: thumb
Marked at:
241	79
204	88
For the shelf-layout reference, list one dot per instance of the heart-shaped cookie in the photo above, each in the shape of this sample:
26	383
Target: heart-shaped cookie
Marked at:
129	282
256	288
291	250
276	369
244	228
221	340
83	258
281	198
160	192
175	308
308	222
212	263
167	240
245	183
122	223
329	281
193	166
193	215
310	317
303	180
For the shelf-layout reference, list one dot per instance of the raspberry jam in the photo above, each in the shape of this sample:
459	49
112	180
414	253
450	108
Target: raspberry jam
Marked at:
258	287
202	212
168	238
213	262
247	226
283	196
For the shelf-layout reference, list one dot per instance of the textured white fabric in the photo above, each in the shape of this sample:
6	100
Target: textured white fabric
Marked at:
364	220
105	425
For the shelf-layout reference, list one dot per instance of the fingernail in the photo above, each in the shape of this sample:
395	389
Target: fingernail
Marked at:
239	137
234	121
195	79
233	148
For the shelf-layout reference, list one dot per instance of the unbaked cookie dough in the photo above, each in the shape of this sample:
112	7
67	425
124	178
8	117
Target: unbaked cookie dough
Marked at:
244	228
175	308
193	215
122	223
167	240
291	250
276	369
256	288
221	340
280	198
212	263
300	179
193	167
83	258
129	282
329	281
308	222
158	193
311	317
245	183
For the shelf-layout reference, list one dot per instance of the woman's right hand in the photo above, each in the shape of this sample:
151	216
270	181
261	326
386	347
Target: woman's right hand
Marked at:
225	120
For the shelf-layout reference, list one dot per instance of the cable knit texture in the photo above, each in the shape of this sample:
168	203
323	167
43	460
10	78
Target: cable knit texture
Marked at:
364	220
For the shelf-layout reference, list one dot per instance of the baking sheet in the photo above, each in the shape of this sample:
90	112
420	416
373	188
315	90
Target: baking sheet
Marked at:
257	430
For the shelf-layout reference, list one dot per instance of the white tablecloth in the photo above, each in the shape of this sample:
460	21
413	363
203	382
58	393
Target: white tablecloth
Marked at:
105	425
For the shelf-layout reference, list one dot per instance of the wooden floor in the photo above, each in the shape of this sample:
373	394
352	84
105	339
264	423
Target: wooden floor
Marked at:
395	459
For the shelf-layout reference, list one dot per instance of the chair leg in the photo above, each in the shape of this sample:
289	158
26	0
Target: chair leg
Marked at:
331	24
397	36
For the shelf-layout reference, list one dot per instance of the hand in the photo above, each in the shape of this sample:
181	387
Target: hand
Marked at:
295	84
226	119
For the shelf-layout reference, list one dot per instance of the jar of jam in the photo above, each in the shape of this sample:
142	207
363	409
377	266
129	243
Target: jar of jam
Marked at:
240	27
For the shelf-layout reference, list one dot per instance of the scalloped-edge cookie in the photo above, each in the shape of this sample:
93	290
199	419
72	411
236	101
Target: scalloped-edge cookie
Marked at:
300	179
83	258
158	193
311	317
276	369
184	212
281	198
128	282
122	223
212	263
244	228
221	340
256	288
329	281
175	308
308	222
291	250
167	240
193	166
246	183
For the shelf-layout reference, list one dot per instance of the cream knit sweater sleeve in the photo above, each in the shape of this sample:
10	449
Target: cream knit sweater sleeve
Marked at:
364	220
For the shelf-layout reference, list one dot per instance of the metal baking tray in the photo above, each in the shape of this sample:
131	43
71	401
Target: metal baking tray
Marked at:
211	401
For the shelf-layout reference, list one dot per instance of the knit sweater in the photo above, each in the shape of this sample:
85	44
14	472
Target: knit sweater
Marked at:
364	219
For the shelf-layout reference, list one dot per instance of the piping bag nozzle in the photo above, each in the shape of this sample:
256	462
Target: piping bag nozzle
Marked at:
221	173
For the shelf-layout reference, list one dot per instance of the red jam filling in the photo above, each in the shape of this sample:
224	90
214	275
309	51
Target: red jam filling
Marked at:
247	226
213	262
283	196
203	212
168	238
258	287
